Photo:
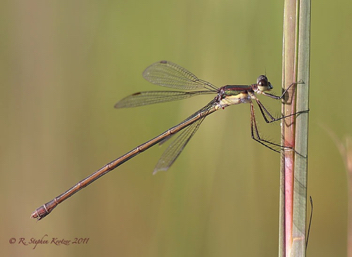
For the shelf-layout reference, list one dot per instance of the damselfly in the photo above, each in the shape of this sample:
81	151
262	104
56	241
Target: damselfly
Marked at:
171	75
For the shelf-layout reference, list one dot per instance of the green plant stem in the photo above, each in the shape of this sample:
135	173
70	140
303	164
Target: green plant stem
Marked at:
301	161
287	128
293	193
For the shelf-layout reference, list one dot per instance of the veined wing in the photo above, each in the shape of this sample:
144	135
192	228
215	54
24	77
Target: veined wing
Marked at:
168	74
176	147
153	97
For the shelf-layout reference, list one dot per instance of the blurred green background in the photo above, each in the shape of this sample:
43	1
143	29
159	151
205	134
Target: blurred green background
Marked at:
63	66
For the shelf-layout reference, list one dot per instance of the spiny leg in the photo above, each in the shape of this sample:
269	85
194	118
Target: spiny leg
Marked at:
266	113
256	136
284	92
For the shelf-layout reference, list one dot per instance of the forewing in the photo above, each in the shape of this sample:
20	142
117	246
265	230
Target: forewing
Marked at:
168	74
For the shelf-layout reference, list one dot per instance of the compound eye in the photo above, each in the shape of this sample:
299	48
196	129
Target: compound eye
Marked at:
263	83
262	79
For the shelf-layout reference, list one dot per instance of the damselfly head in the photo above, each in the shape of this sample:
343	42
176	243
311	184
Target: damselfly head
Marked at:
263	84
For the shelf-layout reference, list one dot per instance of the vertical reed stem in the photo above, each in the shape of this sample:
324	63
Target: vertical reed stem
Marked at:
287	128
293	176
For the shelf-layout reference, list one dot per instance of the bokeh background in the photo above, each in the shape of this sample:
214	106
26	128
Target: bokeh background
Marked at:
63	66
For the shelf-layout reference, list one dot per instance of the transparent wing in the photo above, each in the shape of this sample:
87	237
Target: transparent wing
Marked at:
152	97
176	147
174	150
168	74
